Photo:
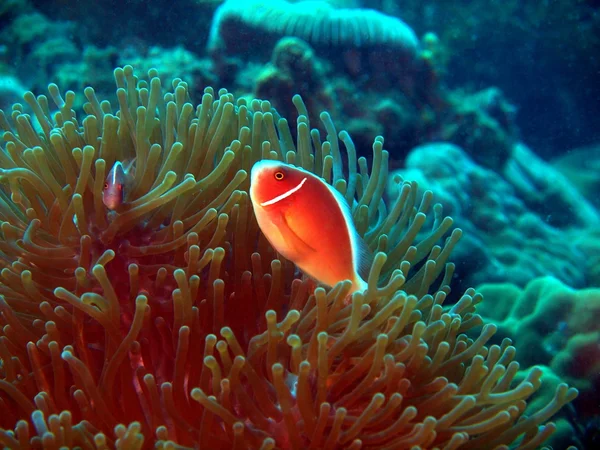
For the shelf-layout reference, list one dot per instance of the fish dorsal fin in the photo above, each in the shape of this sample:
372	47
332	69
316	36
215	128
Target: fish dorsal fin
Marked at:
363	257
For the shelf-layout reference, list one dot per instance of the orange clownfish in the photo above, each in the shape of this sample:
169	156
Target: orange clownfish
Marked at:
116	185
308	222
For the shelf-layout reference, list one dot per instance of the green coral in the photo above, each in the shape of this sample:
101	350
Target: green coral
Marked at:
553	325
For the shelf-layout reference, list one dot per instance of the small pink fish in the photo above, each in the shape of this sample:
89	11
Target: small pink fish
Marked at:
117	183
308	222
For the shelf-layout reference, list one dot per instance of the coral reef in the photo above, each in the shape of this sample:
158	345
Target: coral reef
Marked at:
506	240
368	47
482	123
546	190
581	166
395	99
94	67
400	113
293	70
103	313
588	242
37	45
44	41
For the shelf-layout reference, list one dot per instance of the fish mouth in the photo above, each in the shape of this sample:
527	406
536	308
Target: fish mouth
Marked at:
285	195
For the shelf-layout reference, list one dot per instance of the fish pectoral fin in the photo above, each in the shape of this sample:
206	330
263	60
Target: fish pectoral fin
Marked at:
130	169
294	241
364	257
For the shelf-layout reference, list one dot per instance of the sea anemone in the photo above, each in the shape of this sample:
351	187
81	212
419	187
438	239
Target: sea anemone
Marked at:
171	323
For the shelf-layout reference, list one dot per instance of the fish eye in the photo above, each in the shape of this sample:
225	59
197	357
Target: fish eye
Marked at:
279	176
105	185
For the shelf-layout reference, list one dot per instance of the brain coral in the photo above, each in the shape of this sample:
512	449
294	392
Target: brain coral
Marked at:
171	323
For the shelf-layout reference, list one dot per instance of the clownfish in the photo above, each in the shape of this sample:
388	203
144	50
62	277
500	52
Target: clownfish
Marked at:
117	183
308	222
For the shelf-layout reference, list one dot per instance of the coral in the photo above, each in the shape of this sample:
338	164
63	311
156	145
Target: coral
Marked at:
581	166
481	123
9	9
316	22
362	44
295	57
27	30
382	84
554	325
368	112
36	44
588	242
94	65
170	322
505	240
293	69
174	62
548	191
